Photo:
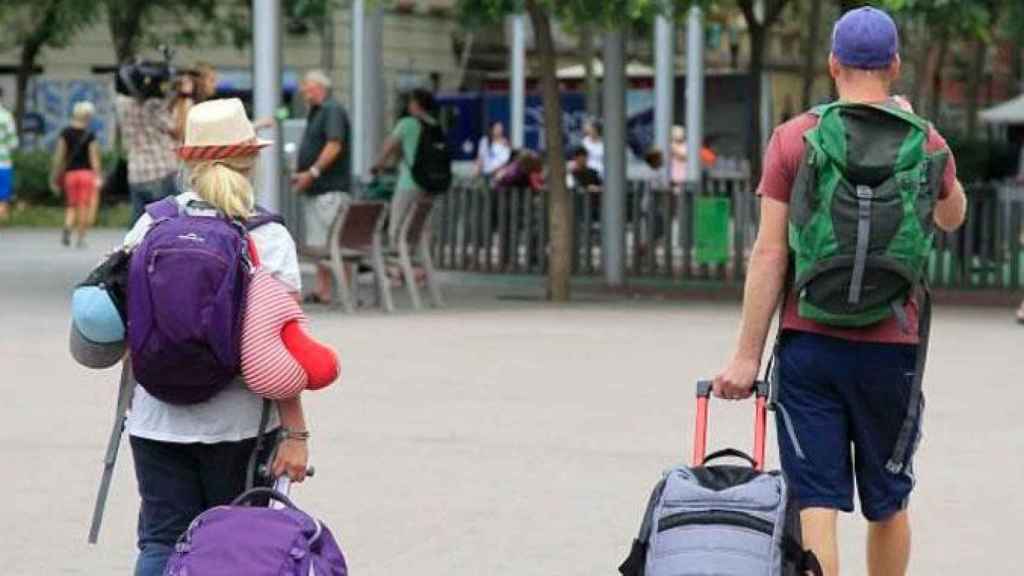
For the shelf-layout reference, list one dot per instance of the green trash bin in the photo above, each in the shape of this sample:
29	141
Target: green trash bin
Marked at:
711	229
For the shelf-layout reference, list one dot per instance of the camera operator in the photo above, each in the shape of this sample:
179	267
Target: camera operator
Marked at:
146	121
192	87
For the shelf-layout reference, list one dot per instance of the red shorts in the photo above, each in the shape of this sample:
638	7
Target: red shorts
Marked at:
79	187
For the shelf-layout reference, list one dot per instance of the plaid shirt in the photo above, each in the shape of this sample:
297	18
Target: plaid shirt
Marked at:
8	137
145	132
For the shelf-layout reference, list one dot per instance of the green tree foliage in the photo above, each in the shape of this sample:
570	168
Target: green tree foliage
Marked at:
948	23
760	20
132	23
32	26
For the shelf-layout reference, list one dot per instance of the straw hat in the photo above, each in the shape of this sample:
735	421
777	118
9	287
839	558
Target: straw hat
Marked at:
218	129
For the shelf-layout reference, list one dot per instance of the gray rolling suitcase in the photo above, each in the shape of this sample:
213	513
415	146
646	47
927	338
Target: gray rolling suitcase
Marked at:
721	520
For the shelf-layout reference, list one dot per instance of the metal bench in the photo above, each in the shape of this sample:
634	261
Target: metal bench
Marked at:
356	237
414	235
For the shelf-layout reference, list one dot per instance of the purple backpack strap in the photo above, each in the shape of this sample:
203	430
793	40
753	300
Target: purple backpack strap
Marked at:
262	216
166	208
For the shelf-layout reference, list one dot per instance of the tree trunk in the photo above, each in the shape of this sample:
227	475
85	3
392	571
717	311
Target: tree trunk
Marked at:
975	78
918	87
757	38
811	54
30	49
589	80
934	107
124	18
561	217
26	65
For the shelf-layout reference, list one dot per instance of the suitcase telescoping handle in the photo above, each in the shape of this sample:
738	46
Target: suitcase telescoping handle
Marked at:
700	437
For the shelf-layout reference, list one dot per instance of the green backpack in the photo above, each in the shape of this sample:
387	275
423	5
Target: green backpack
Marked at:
860	224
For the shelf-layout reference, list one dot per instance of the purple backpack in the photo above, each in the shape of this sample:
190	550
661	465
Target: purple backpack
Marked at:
187	283
240	539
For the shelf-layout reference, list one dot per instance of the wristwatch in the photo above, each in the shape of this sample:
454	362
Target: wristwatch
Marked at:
314	171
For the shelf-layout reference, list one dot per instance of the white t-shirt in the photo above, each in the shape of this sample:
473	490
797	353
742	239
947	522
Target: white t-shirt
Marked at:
493	155
234	413
595	155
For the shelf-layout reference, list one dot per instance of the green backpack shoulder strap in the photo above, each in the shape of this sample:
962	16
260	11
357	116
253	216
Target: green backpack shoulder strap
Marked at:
889	107
830	136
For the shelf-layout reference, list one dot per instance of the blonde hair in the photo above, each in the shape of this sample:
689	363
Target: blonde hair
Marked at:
83	111
225	184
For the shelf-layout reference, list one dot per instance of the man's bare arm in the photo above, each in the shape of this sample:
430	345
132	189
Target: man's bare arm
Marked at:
766	278
389	150
951	211
328	155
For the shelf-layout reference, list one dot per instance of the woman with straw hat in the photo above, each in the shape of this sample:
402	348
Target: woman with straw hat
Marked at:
76	170
189	458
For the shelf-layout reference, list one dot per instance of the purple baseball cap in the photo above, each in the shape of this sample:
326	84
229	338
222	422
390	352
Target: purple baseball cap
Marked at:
865	38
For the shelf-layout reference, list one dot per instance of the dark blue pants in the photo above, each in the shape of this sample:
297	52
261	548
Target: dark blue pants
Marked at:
177	482
842	405
144	193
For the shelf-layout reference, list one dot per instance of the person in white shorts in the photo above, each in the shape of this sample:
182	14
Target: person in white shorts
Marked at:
322	170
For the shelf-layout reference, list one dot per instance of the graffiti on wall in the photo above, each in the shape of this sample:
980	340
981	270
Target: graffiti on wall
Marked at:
49	106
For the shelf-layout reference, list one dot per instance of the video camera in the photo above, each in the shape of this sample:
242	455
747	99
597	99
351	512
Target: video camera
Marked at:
145	79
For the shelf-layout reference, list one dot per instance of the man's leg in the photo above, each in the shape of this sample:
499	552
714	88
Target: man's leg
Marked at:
878	407
138	195
319	214
168	186
814	445
401	203
818	528
889	545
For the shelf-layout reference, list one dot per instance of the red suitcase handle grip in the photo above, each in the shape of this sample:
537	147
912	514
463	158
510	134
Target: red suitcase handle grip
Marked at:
700	437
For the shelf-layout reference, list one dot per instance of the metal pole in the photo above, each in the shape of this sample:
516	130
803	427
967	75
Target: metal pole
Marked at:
613	201
266	63
517	78
367	92
359	89
694	93
374	82
664	88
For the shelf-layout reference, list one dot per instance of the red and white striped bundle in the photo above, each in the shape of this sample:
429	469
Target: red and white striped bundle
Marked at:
269	369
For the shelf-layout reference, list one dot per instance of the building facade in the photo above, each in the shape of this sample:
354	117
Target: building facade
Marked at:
416	39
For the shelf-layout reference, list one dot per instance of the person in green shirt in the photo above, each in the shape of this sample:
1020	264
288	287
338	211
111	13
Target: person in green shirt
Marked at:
401	145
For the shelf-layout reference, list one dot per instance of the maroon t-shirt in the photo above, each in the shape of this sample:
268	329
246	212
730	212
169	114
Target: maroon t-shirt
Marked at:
781	162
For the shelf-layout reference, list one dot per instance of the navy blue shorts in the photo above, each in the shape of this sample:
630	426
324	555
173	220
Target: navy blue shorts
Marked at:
842	405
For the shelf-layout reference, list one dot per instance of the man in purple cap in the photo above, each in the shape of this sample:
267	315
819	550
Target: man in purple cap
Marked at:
847	375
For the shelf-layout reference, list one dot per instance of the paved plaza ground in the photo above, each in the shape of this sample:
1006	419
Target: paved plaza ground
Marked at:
500	436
